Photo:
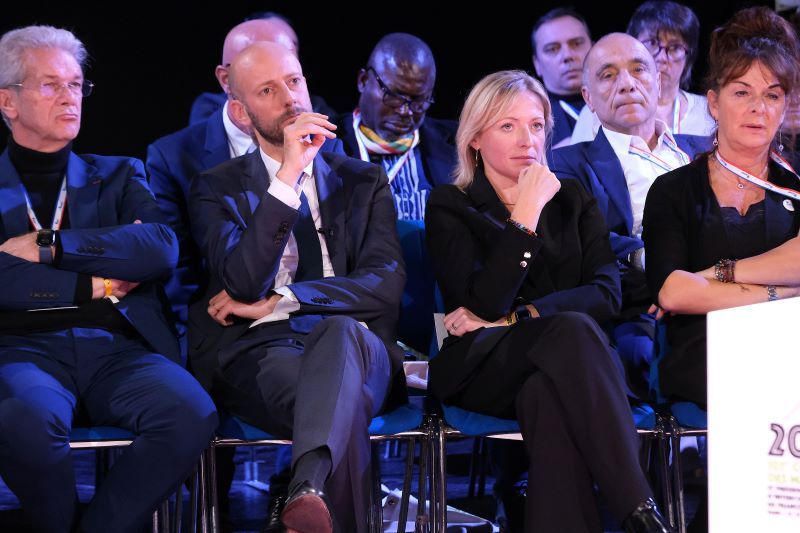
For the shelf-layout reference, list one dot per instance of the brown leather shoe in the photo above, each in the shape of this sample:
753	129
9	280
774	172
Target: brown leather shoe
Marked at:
307	512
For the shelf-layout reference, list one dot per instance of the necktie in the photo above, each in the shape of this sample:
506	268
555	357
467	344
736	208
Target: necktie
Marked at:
309	265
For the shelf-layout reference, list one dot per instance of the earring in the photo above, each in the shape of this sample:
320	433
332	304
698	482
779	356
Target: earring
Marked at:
780	141
477	156
715	142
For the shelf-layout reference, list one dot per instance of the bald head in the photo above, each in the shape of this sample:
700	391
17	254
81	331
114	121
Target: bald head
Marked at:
407	70
403	51
267	89
272	30
621	84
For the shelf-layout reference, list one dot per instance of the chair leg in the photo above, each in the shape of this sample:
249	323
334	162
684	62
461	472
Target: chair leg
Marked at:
677	478
664	472
178	522
376	507
473	466
156	527
441	496
194	489
484	466
209	500
165	520
422	524
203	513
406	496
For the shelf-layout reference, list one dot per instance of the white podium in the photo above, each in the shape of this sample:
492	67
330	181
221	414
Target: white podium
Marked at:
754	418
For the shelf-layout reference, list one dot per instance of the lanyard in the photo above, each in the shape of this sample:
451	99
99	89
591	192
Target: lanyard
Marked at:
743	174
58	214
652	158
568	109
364	155
676	114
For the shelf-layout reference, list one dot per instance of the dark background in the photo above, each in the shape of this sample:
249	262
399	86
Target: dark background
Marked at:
150	60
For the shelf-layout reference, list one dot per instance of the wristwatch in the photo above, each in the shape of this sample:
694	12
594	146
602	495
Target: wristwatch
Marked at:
46	240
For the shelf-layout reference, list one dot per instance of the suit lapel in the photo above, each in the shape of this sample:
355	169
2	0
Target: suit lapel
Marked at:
331	206
83	189
216	145
13	212
607	171
254	180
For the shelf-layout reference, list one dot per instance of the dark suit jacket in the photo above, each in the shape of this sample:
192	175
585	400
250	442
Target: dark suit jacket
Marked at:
595	165
480	263
436	145
105	195
683	230
172	162
242	232
563	124
207	104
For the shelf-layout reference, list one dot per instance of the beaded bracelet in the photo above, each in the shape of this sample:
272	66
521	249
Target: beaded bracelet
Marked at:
724	270
521	227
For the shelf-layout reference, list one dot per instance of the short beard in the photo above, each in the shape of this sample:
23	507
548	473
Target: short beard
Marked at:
273	133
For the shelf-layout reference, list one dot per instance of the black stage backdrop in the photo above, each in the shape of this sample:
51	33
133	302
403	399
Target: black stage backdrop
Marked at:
150	60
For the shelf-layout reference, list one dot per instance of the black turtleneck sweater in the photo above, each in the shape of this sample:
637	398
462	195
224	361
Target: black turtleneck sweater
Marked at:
42	174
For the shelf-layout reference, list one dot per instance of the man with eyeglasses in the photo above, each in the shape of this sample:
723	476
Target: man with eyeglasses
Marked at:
83	339
389	127
632	148
560	40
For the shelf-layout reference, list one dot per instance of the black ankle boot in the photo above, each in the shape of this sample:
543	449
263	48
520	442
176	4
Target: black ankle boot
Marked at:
646	518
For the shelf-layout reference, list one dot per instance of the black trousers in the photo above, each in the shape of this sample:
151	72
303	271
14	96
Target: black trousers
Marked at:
559	378
321	390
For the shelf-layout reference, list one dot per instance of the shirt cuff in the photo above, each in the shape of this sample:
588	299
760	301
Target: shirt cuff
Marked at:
285	194
287	304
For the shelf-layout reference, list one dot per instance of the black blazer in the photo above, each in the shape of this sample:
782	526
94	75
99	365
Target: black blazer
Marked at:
242	232
683	230
481	262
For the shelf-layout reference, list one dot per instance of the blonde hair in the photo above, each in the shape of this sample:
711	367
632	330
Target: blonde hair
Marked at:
488	100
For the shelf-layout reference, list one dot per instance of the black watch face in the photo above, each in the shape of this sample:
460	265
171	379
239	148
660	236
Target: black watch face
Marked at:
46	237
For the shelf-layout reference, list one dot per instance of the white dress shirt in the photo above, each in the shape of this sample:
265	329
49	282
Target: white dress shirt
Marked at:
290	258
640	173
239	142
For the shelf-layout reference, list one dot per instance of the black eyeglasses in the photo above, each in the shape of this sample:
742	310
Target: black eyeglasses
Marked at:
674	51
395	100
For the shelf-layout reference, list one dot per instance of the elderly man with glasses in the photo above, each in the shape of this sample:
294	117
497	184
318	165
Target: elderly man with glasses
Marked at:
83	338
389	126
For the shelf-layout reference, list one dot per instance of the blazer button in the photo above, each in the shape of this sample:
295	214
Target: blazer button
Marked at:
523	264
526	255
316	300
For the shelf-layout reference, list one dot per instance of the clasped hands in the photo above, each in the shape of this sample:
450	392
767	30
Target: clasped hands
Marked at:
222	307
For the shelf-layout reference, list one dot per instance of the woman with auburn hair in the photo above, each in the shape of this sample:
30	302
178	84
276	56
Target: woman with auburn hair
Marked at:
703	221
526	270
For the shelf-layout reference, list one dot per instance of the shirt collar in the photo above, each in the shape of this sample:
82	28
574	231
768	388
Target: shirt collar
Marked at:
274	166
621	142
240	140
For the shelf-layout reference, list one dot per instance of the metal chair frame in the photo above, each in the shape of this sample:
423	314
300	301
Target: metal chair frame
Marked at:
161	517
209	488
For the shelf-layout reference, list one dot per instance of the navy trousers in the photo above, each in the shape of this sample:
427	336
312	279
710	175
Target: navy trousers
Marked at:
47	378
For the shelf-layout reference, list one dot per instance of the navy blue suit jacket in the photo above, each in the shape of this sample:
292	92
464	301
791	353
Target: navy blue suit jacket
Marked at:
172	162
105	195
242	232
436	145
595	165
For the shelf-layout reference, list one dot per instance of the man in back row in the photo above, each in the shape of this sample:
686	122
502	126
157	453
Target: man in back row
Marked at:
390	128
621	84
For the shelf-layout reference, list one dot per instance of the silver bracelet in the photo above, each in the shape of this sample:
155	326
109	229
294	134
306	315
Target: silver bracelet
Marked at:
772	293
